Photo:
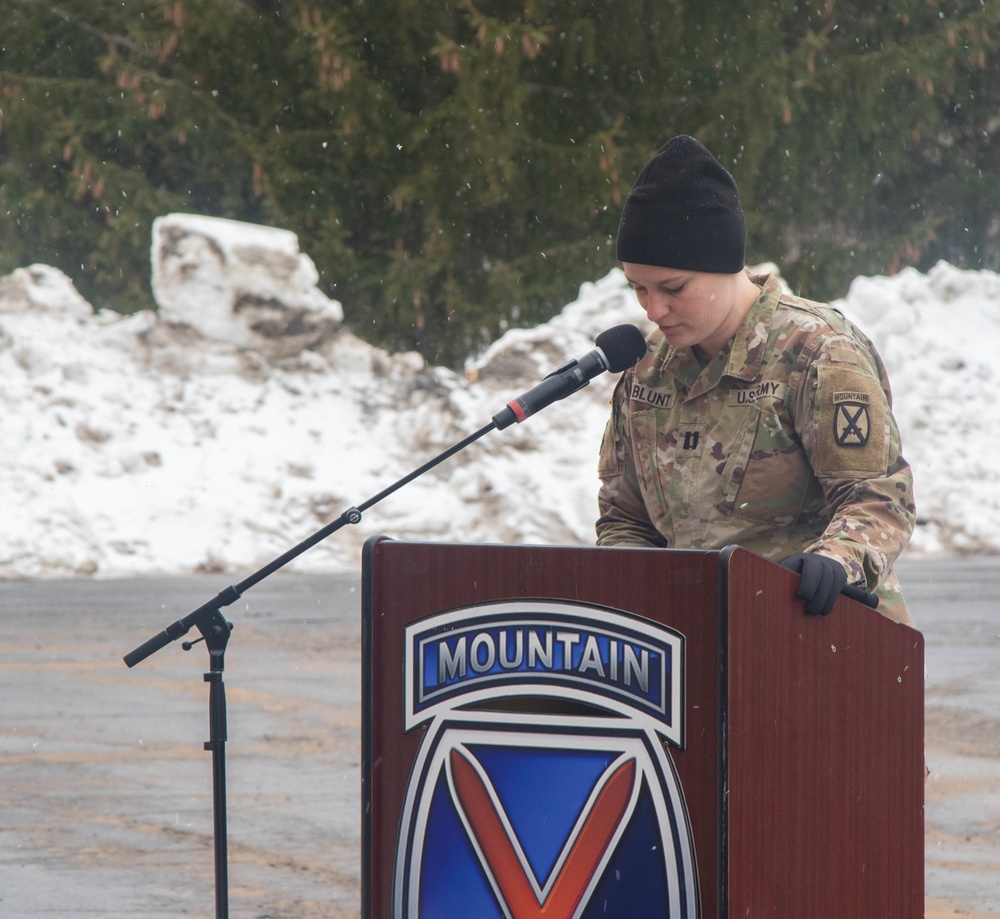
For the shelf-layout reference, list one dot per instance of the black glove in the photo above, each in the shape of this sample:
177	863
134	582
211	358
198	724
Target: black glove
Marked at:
860	595
822	581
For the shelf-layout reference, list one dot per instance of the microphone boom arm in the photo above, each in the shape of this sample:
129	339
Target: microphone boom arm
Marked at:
207	611
617	349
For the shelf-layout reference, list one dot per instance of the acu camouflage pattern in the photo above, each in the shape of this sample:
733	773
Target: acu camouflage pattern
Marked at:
784	442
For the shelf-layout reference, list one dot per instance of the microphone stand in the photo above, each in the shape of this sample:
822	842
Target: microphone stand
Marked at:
625	343
215	632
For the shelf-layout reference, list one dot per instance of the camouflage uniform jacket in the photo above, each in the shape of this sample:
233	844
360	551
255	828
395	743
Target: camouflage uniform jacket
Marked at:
784	442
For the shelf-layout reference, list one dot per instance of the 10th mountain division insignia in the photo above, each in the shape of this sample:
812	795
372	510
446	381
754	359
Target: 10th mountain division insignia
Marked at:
512	813
851	419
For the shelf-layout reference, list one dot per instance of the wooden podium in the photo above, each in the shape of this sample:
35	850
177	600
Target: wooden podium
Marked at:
786	777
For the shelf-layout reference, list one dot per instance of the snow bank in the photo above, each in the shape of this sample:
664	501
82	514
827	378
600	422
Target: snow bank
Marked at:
243	417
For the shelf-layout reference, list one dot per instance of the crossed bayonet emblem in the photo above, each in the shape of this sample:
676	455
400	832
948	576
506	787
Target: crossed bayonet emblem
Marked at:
851	424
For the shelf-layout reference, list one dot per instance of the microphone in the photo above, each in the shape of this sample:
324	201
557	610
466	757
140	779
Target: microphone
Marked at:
617	349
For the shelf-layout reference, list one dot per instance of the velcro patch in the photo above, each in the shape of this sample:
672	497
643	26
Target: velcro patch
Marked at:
851	439
657	398
751	395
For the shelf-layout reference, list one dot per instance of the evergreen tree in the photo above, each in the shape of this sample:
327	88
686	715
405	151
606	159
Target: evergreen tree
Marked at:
863	135
457	168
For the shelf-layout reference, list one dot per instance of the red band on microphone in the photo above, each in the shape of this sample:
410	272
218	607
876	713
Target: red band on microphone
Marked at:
517	409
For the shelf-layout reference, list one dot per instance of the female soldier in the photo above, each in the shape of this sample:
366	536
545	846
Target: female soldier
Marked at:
756	418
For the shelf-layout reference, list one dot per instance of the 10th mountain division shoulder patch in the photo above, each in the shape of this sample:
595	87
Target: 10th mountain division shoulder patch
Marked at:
851	419
851	438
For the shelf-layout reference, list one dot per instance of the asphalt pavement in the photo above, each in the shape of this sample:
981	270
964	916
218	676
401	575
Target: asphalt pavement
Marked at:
106	796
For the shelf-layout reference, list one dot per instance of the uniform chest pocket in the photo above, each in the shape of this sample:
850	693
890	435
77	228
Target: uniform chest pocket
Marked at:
767	477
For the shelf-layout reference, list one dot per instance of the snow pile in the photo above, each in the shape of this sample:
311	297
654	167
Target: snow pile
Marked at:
939	335
244	417
239	283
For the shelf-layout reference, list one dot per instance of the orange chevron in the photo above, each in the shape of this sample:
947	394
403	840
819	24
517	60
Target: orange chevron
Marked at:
582	860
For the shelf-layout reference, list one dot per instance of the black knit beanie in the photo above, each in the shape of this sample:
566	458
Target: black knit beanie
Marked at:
684	212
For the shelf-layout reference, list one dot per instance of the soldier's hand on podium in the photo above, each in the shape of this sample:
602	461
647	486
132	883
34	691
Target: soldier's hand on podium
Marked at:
822	580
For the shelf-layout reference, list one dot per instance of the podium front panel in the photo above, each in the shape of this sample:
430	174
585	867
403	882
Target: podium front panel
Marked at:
441	761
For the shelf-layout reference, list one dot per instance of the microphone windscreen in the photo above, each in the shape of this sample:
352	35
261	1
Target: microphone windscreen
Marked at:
623	346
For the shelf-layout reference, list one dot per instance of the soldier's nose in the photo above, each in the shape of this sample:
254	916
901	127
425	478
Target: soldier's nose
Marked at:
657	308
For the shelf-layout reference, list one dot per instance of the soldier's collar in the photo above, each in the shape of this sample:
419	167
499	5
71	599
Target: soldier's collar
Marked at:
750	340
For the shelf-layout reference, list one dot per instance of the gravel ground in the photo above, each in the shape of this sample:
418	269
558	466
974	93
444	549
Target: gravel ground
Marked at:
106	791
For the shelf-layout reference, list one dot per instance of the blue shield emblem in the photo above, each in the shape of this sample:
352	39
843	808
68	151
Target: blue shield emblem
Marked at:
523	814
